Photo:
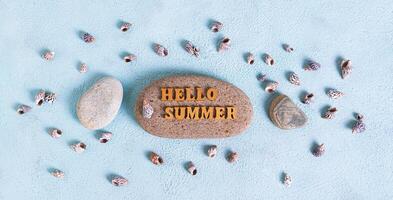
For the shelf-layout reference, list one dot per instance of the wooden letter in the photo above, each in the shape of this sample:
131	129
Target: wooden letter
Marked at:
168	113
212	94
199	96
207	112
189	96
179	94
192	113
231	112
166	94
220	113
180	113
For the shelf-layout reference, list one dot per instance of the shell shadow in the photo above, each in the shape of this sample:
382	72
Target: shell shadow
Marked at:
98	133
324	109
263	56
245	56
302	94
51	169
205	148
327	89
147	154
339	58
153	46
42	51
74	141
227	152
281	176
186	165
80	33
77	93
313	145
78	64
111	176
287	74
217	40
123	54
33	93
306	61
183	43
120	23
48	130
210	22
350	123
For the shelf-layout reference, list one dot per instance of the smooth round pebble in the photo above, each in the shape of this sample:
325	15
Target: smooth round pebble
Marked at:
99	105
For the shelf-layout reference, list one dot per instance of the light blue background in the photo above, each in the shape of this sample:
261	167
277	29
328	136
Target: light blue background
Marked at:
354	166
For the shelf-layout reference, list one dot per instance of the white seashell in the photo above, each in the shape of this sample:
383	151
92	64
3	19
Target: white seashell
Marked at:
147	110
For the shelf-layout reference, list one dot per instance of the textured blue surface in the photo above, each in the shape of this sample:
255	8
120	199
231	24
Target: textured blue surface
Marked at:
354	166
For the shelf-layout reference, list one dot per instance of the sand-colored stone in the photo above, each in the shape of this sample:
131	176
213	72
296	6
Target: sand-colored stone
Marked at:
285	114
98	106
228	95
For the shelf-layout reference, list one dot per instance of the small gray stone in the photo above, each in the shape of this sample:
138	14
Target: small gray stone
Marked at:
285	114
99	105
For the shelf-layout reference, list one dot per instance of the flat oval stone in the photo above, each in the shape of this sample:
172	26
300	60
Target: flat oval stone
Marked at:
285	114
99	105
178	107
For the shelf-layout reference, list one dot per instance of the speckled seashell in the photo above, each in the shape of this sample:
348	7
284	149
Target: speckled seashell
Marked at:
22	109
312	66
216	26
156	159
119	181
212	151
192	169
358	127
129	58
359	117
161	50
287	48
125	26
88	38
105	137
330	113
191	49
232	157
261	77
271	87
83	68
308	98
48	55
40	98
319	150
250	59
334	94
56	133
287	180
79	147
346	68
57	173
268	60
294	79
147	110
224	44
50	97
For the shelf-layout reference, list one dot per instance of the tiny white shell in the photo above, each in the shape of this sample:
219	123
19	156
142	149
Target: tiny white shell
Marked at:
271	87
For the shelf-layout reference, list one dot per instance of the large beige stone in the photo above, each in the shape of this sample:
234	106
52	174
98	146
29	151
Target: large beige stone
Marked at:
99	105
228	96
